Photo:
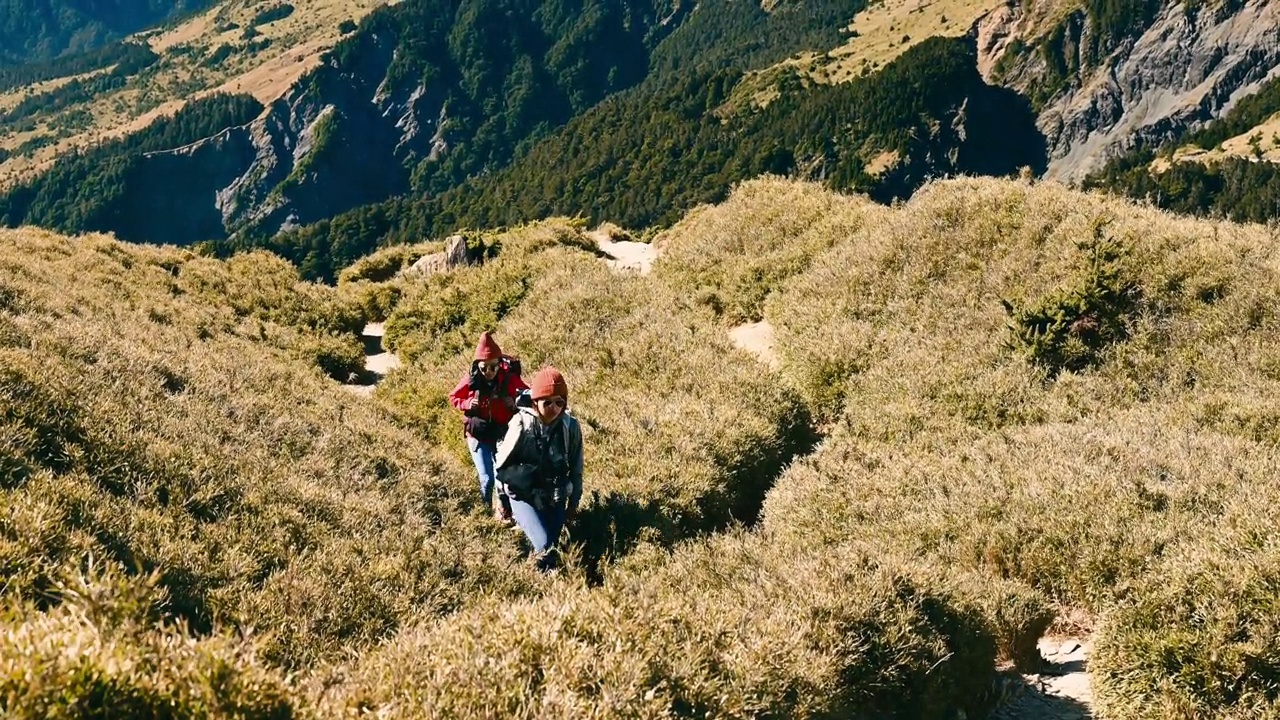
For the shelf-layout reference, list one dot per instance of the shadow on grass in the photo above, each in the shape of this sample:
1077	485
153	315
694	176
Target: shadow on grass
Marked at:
610	526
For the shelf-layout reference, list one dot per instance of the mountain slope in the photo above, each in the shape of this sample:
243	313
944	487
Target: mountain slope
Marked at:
644	157
416	125
425	95
1035	401
41	30
1110	77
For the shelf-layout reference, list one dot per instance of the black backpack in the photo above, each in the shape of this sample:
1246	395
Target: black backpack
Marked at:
524	479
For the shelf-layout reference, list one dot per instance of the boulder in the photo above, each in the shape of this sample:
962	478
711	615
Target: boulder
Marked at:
453	256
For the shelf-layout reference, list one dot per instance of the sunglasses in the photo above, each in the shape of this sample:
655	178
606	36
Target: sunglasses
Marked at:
490	366
553	402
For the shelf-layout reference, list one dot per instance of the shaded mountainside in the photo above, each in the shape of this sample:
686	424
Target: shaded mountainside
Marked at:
644	157
437	114
41	30
430	92
429	96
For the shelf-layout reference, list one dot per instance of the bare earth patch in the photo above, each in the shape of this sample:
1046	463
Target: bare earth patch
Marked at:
757	339
377	361
1063	691
625	255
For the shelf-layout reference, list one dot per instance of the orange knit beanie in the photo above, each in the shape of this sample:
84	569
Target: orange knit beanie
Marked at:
548	382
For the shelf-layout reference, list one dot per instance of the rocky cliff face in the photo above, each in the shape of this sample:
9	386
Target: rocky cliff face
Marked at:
339	139
1187	68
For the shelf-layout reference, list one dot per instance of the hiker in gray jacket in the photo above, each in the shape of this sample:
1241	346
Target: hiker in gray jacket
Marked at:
539	464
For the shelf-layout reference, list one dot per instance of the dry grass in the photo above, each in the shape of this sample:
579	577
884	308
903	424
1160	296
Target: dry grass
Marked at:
968	490
660	469
10	99
730	257
155	414
888	28
1096	488
730	628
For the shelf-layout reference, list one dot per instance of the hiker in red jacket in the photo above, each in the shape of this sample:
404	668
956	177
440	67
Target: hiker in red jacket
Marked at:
486	395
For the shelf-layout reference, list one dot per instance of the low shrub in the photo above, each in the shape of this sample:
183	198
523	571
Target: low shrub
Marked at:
766	633
730	257
104	652
387	263
1200	636
341	358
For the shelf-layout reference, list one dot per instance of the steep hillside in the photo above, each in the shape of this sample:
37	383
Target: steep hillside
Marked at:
257	47
41	30
642	157
413	103
1228	168
1114	75
435	115
1039	406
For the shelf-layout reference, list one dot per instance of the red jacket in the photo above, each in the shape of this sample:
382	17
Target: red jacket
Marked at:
490	408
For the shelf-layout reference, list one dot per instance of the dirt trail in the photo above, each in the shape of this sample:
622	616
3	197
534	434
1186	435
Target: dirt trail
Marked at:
1063	691
625	254
377	361
757	339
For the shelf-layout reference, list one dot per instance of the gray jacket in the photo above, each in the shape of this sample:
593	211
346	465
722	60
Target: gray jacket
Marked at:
519	445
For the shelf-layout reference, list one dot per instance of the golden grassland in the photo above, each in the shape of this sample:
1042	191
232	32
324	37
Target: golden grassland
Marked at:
885	30
169	415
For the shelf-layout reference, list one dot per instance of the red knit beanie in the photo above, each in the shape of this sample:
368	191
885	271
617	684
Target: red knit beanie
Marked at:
488	348
548	382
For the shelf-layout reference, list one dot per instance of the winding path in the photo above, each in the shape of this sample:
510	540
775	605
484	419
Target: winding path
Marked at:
378	361
625	254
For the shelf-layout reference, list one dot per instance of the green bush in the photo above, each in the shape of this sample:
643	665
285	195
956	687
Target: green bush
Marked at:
1200	637
1069	329
341	358
766	633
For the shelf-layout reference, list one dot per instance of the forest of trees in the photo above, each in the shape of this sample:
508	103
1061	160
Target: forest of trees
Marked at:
603	108
512	72
86	191
33	72
1237	188
1234	188
131	59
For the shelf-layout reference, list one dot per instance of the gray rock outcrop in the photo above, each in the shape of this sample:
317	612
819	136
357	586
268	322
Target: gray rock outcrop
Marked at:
453	256
1183	71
